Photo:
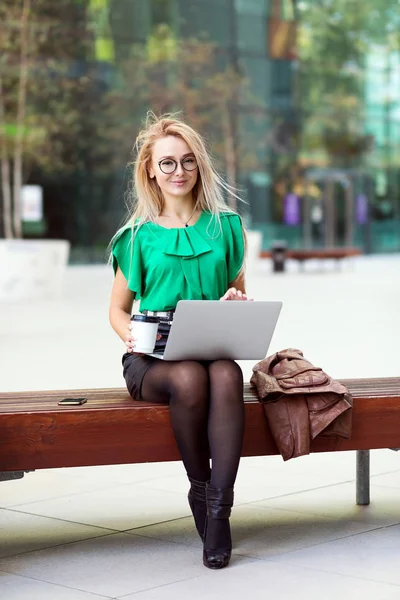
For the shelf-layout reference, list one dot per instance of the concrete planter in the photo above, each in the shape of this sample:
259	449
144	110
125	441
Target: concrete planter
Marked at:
32	269
254	243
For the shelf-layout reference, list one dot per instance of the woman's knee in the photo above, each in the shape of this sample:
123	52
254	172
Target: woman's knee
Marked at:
226	372
189	383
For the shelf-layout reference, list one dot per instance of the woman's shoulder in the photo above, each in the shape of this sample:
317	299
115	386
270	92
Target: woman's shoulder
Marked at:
129	232
231	219
122	236
229	214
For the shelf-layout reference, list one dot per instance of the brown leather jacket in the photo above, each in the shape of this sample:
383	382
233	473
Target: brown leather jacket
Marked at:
300	402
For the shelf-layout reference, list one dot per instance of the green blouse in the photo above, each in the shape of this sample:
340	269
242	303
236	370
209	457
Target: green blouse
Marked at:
163	266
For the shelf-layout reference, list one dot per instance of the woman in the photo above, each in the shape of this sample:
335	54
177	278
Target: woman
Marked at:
183	242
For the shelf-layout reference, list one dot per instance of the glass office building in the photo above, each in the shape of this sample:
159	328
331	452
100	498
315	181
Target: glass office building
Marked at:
299	99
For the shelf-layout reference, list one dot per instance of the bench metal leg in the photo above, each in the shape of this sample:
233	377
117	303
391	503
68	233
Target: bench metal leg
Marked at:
10	475
362	478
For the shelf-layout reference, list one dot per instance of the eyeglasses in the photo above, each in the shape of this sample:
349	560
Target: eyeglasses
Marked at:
169	165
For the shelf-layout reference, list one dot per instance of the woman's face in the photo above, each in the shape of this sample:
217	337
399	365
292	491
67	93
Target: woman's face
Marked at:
180	182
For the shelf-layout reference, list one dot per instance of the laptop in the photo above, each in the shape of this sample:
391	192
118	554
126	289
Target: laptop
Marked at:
212	330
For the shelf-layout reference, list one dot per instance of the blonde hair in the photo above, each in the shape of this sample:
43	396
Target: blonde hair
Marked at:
145	200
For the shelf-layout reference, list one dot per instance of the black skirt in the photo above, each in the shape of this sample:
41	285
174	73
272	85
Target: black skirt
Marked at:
135	368
136	365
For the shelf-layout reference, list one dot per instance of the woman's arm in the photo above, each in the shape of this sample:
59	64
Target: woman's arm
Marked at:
121	307
237	290
239	283
235	261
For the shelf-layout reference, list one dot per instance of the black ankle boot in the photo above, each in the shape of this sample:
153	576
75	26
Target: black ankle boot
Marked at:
197	503
219	504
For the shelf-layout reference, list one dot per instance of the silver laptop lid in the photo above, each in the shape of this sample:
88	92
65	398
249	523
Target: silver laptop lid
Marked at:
212	330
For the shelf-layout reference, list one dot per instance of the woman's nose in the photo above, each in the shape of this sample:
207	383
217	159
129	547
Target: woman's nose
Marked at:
179	169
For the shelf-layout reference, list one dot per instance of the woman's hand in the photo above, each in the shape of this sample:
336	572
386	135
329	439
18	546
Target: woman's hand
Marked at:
235	294
130	340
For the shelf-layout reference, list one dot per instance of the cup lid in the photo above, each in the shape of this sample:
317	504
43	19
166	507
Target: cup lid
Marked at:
144	319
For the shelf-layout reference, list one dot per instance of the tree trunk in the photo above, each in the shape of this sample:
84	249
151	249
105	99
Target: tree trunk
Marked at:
21	110
5	171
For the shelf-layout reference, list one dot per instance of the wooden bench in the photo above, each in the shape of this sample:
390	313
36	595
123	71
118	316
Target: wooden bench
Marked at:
111	428
302	254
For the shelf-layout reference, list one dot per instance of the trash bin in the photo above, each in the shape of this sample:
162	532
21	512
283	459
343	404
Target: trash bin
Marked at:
278	251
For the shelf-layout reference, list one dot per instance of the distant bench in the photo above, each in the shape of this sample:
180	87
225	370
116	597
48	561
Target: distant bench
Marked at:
111	428
302	255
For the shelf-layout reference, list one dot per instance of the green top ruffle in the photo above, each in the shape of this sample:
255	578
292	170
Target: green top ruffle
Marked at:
163	266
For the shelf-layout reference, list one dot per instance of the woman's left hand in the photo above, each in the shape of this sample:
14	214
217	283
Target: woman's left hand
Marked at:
235	294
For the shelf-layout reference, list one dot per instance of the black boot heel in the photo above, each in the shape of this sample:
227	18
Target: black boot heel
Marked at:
219	505
197	503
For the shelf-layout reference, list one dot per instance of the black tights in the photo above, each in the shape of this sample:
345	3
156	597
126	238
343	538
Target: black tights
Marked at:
207	414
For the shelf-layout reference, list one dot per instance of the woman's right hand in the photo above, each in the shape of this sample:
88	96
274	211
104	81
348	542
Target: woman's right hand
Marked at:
235	294
130	340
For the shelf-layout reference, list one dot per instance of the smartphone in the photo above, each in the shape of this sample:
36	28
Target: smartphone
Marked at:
72	401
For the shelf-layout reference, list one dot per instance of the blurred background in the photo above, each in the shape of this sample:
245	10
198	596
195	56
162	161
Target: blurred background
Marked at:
300	102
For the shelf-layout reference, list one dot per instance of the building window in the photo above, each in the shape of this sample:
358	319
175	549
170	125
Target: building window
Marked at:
281	85
252	7
252	34
208	19
256	70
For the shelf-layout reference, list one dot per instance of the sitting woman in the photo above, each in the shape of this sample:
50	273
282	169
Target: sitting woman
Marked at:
182	242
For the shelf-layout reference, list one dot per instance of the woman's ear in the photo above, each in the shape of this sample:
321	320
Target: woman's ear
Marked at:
151	173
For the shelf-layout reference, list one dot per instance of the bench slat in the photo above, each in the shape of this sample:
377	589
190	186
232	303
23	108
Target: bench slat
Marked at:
14	402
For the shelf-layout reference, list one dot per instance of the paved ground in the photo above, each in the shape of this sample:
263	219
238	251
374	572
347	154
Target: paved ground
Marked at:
125	531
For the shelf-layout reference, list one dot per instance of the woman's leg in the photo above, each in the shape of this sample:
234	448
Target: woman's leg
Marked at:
225	421
185	386
225	434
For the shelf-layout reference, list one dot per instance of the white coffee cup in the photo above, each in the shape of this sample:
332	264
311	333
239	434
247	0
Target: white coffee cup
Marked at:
144	330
